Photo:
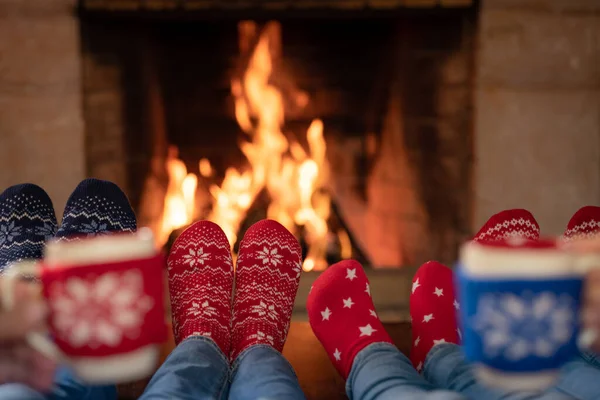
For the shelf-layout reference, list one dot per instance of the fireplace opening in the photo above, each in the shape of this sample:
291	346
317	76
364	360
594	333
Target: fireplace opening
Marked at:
355	133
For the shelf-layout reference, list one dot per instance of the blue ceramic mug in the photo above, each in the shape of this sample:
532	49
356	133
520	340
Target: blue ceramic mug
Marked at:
520	303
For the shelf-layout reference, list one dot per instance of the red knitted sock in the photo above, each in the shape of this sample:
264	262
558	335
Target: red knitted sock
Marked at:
266	280
433	310
509	223
342	315
585	223
200	283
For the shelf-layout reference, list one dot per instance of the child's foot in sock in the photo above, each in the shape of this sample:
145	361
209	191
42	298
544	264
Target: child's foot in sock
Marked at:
27	221
266	279
509	223
584	224
433	309
342	315
201	283
96	207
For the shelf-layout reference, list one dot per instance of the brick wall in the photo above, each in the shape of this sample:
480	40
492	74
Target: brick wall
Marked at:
537	118
41	125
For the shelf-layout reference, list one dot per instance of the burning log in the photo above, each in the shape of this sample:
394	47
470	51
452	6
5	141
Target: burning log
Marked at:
341	243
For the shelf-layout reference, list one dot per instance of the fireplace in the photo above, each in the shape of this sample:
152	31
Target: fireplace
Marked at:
350	126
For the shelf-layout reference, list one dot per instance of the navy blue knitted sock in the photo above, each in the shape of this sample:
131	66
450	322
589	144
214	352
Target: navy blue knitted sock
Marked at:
27	220
96	207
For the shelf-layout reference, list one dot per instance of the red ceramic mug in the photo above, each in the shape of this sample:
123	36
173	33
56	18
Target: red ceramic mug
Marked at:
105	295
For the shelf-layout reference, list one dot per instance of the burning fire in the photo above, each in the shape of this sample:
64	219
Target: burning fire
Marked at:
179	205
291	176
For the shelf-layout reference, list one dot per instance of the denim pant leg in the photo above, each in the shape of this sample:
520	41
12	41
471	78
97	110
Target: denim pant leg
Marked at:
445	367
261	372
195	370
591	359
380	371
66	387
580	379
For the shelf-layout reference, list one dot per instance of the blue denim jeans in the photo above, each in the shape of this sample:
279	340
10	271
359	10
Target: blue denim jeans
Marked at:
67	386
445	367
380	371
197	369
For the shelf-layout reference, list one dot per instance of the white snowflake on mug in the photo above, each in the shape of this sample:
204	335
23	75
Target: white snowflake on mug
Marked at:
517	327
100	311
196	257
269	256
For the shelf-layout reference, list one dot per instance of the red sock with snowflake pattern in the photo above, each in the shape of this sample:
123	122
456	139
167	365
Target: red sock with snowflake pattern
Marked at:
266	279
342	315
584	224
517	222
200	283
433	309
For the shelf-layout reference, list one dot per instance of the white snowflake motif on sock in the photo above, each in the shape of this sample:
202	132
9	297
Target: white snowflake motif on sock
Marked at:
262	309
195	257
261	336
9	232
202	309
46	230
93	227
269	256
100	311
298	269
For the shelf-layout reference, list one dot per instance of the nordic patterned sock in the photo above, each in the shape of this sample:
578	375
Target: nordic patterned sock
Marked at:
433	308
585	223
342	315
509	223
96	207
27	221
266	280
201	283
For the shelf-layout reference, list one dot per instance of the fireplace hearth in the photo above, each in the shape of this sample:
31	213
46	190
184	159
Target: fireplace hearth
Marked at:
372	113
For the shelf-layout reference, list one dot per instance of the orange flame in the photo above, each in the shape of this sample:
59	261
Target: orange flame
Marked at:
179	205
292	177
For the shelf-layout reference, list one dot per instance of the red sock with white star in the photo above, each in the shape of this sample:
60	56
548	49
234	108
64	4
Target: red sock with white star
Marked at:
342	315
200	283
266	279
517	222
433	310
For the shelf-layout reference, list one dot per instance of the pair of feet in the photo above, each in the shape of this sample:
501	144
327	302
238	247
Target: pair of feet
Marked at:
202	280
343	317
28	220
433	305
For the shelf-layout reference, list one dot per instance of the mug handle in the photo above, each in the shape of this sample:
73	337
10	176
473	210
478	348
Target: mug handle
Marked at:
37	340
